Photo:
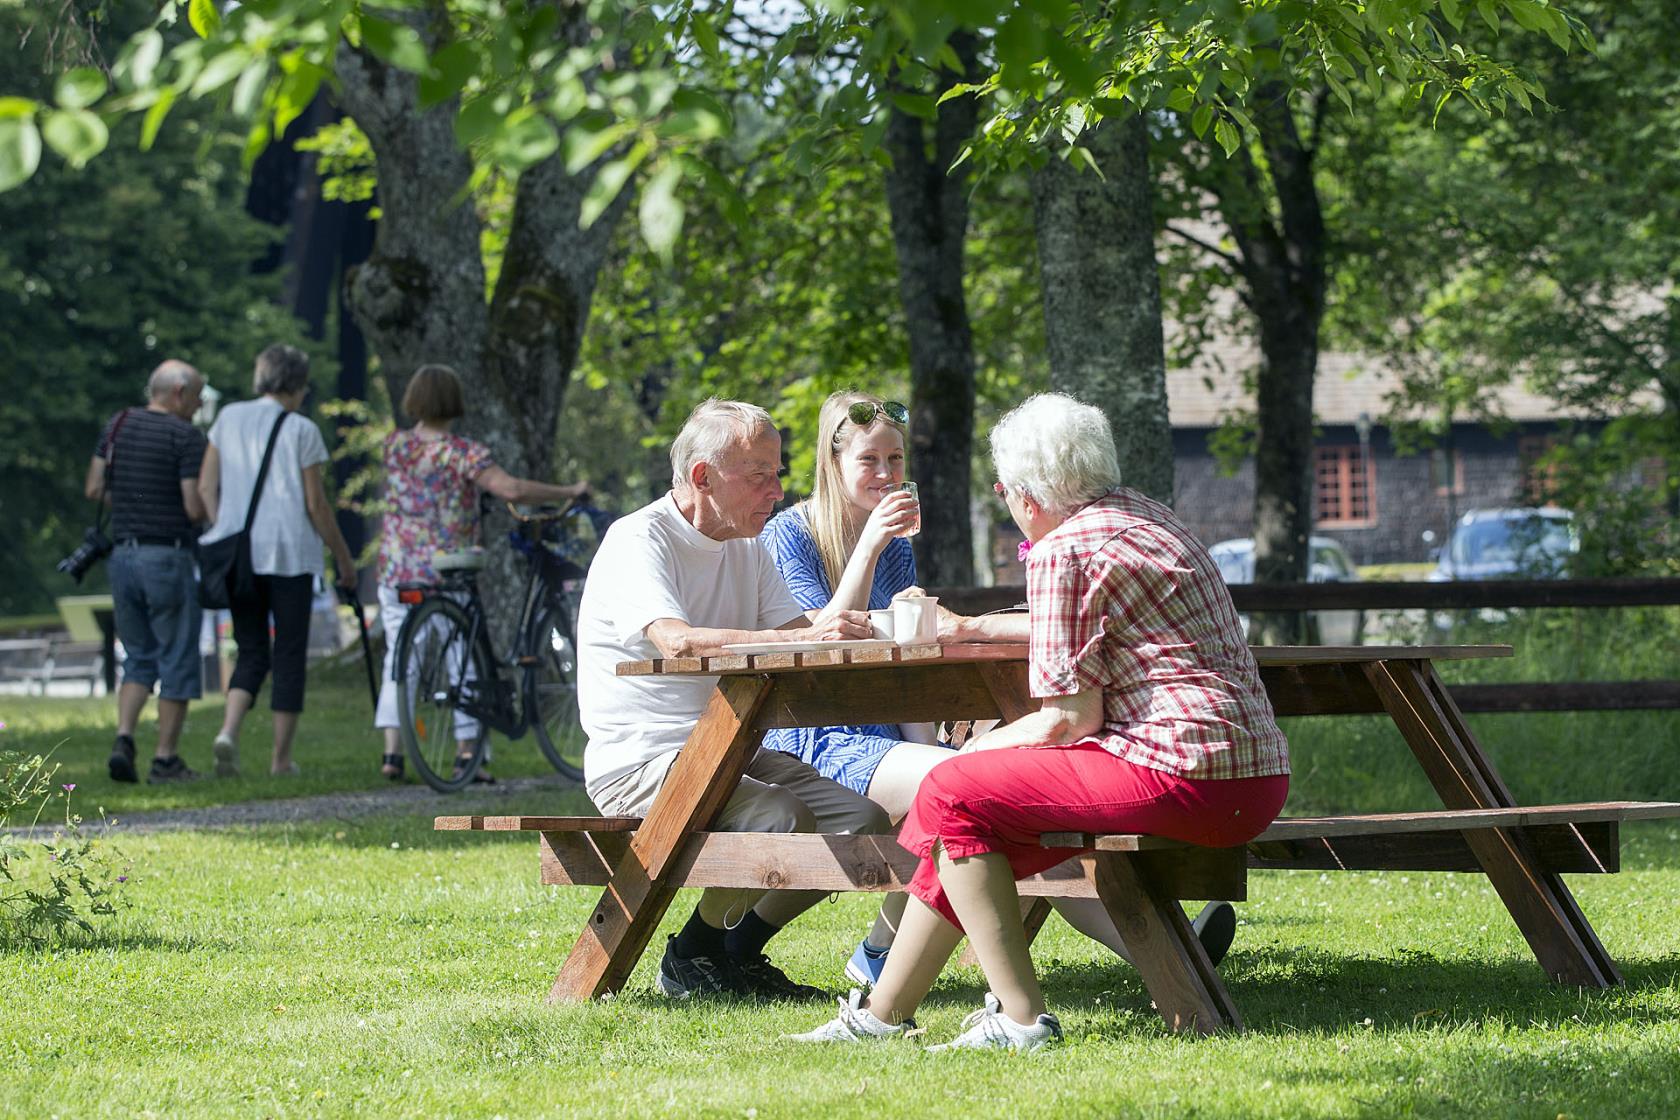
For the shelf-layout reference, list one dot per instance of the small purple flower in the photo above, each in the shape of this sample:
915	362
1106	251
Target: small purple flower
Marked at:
122	878
68	786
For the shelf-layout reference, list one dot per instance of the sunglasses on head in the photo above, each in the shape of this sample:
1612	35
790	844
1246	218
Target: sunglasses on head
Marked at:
863	413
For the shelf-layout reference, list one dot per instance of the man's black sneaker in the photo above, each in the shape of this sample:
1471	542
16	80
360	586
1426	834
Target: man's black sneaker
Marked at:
682	977
170	770
770	982
121	763
1216	928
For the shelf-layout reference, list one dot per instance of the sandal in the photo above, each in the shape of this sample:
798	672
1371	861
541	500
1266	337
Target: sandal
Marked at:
479	776
391	765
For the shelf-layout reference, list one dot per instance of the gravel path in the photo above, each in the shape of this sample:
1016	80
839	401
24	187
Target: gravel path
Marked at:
417	799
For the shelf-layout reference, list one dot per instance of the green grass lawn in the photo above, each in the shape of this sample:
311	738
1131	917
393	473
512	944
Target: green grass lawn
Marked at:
336	748
373	966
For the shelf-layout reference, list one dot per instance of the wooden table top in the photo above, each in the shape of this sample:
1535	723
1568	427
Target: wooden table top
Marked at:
1266	656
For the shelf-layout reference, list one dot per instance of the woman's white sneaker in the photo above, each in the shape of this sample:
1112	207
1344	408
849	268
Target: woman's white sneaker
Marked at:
854	1024
990	1029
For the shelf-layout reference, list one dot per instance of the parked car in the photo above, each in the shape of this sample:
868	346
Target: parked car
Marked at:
1329	563
1509	544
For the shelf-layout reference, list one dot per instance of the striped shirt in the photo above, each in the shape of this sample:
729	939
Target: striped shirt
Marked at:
1124	599
788	537
153	453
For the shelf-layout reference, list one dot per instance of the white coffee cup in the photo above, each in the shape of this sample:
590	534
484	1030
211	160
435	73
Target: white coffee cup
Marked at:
881	624
916	620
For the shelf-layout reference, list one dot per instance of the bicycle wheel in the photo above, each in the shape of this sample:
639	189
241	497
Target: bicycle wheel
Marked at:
551	689
439	674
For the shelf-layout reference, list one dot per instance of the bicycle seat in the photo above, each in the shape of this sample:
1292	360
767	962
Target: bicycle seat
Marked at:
467	560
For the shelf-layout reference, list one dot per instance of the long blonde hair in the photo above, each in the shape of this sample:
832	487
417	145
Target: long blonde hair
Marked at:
827	510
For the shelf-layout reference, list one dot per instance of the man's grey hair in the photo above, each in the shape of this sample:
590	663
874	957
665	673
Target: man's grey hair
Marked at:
712	429
1057	451
281	369
170	375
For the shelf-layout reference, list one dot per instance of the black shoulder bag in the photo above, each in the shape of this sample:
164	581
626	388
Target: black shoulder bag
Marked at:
225	574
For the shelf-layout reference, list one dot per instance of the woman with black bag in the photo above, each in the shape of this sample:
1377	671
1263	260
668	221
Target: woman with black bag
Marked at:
272	570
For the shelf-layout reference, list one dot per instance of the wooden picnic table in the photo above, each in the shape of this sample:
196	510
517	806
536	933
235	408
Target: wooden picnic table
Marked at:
642	862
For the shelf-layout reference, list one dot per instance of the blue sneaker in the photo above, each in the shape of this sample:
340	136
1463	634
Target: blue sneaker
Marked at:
866	964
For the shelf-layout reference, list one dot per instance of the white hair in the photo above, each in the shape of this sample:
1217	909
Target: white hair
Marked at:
1057	451
170	375
710	430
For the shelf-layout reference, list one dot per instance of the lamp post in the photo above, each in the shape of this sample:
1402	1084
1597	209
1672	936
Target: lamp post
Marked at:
1362	426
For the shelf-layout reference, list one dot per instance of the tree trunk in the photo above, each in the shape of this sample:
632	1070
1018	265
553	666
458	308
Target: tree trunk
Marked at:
420	296
1282	264
1102	296
929	207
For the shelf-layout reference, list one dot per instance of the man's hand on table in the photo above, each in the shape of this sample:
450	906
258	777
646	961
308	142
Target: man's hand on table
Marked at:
828	625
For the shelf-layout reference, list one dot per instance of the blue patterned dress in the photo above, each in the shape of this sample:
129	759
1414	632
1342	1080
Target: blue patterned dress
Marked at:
847	754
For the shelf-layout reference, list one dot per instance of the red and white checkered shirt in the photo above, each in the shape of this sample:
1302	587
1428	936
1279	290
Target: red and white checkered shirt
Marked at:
1124	598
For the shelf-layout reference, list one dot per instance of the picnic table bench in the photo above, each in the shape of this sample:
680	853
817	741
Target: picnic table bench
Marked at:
1523	850
50	658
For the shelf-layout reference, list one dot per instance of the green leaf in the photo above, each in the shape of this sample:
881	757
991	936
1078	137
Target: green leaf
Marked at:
75	134
396	43
1227	136
20	150
79	88
608	182
154	118
1454	11
478	118
661	211
13	107
222	68
297	90
524	141
705	35
139	63
203	17
914	104
248	90
1490	14
1200	120
585	142
450	69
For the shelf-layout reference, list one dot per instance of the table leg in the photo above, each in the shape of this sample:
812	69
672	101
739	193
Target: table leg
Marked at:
1542	906
700	783
1175	968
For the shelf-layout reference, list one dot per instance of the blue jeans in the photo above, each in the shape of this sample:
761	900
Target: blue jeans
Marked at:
155	589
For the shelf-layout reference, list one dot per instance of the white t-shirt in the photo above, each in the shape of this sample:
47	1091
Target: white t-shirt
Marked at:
653	564
283	542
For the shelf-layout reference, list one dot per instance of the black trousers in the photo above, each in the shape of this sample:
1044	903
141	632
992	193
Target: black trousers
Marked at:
287	599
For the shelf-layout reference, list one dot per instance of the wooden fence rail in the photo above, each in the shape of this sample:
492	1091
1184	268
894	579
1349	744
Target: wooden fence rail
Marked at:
1526	696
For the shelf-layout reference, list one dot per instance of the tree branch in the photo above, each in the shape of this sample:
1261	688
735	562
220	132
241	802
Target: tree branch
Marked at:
1206	246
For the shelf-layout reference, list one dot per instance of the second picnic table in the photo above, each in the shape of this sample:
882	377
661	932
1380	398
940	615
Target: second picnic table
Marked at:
643	861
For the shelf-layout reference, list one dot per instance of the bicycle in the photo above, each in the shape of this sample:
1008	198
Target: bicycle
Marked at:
452	691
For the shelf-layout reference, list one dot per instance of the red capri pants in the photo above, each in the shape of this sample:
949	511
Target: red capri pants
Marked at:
1003	800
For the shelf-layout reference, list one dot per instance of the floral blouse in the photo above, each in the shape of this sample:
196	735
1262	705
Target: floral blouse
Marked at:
433	502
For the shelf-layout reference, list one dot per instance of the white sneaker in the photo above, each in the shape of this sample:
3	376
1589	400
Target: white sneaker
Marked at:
226	753
854	1024
990	1029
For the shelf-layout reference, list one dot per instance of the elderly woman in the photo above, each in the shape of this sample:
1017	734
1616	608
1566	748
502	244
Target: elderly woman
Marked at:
294	520
1154	720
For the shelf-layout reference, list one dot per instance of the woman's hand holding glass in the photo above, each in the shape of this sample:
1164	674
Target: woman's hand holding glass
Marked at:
898	515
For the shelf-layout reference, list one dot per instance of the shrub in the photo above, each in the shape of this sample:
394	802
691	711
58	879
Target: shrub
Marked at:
79	878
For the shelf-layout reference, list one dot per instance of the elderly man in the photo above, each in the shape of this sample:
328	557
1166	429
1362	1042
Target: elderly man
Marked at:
146	466
685	576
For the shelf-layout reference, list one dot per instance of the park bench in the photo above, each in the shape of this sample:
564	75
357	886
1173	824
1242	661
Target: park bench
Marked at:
1523	850
44	660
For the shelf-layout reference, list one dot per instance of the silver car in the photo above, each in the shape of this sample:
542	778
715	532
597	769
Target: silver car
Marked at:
1529	543
1329	563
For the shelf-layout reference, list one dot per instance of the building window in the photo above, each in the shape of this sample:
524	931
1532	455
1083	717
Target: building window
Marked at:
1539	479
1445	479
1345	489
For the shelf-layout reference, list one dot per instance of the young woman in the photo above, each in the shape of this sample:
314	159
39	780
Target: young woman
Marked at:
432	481
1154	720
851	536
293	520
